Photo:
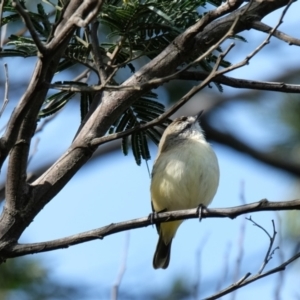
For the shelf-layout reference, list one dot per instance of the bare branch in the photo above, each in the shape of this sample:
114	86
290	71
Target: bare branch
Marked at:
260	26
194	90
165	63
243	83
244	281
261	46
26	18
21	126
102	76
100	233
45	122
279	285
175	107
270	250
83	76
5	101
158	81
2	36
29	105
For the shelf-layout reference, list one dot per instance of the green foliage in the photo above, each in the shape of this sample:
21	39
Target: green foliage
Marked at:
142	111
148	27
23	278
133	29
85	103
179	289
22	45
58	100
55	103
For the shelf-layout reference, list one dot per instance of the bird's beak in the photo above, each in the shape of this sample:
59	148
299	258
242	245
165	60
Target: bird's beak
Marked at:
198	116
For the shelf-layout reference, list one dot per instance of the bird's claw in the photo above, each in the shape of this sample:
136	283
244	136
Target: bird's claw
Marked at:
200	211
152	217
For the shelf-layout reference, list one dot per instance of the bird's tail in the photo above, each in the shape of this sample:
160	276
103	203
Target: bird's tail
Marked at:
162	254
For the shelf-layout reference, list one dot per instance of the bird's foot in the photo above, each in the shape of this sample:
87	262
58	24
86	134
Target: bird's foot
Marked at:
152	217
200	211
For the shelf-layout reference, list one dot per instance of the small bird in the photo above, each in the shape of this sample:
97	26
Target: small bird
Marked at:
185	175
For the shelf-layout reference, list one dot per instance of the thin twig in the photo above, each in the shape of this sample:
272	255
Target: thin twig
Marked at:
45	122
194	90
102	76
260	47
197	285
116	286
19	33
160	81
157	81
225	267
260	227
1	27
6	100
116	51
131	58
243	83
26	18
270	250
241	240
280	280
84	75
260	26
181	102
246	281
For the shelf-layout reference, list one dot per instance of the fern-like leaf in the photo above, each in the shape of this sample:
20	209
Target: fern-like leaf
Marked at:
135	143
55	103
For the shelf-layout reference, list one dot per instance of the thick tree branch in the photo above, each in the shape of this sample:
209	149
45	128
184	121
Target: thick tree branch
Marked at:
100	233
177	105
20	130
213	74
28	107
115	103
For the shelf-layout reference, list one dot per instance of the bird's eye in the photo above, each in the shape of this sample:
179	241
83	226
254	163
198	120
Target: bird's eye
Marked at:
183	118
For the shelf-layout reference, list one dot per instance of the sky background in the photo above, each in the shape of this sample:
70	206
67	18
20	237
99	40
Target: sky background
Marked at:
113	189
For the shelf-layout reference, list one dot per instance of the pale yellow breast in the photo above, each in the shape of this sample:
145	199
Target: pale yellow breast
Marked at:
184	177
